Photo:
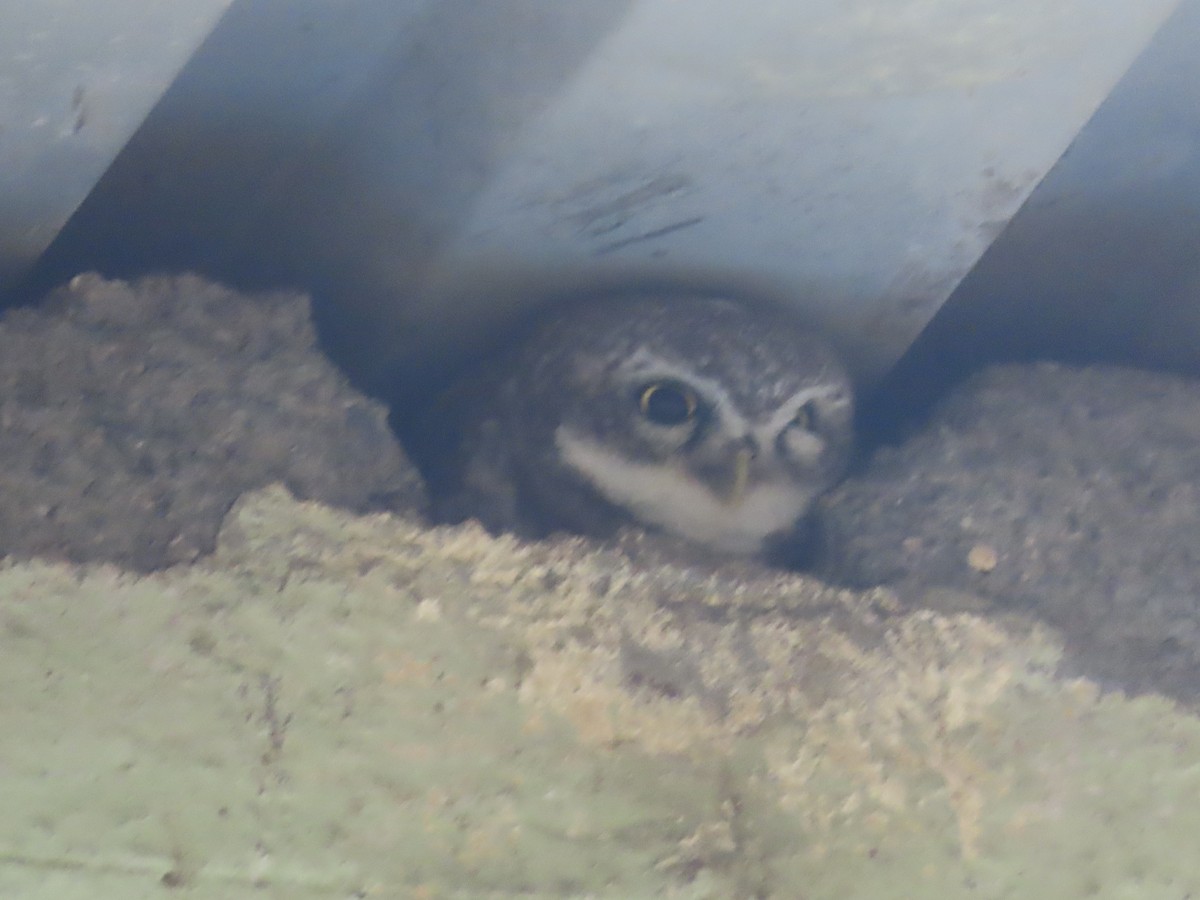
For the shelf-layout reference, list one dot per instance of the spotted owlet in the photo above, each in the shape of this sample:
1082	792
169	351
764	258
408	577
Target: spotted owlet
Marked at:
716	422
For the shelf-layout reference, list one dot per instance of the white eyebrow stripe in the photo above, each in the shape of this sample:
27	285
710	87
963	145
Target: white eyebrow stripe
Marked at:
787	410
644	365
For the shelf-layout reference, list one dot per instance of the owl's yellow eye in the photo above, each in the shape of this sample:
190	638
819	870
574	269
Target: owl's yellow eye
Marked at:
665	403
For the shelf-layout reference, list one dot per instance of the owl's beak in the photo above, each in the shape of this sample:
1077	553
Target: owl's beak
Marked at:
741	476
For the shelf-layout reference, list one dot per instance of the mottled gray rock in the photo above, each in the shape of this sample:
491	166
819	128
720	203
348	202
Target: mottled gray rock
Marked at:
133	415
1074	493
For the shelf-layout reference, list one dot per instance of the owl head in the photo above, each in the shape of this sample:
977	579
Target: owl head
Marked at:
712	420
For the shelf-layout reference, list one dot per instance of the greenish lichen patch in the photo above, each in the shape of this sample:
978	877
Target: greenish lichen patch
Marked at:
340	707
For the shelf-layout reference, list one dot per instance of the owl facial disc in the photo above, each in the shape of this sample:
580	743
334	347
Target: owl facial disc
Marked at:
718	422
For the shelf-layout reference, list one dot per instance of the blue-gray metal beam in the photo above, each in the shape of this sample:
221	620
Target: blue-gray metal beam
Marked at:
76	80
428	167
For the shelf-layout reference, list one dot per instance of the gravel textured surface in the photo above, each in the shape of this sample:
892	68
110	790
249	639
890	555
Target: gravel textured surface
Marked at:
134	415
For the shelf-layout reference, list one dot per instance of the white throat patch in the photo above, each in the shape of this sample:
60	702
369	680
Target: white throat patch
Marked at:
670	498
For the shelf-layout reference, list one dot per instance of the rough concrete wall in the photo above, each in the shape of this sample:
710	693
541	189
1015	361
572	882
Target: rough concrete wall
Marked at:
348	707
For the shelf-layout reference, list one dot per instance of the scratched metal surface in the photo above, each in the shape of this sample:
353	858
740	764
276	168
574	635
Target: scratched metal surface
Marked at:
76	80
852	158
428	169
1101	265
